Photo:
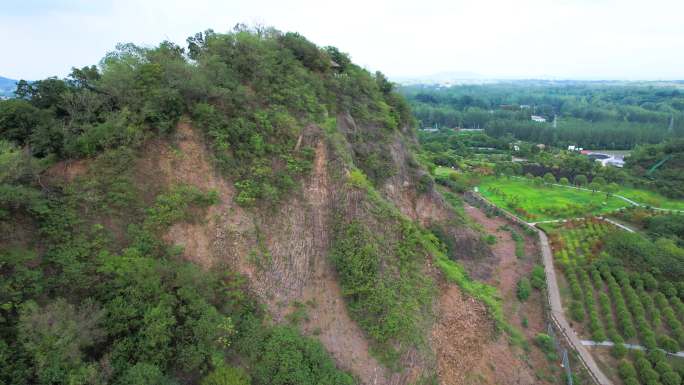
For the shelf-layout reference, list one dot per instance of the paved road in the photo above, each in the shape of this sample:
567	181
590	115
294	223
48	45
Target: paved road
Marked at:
559	316
618	224
628	346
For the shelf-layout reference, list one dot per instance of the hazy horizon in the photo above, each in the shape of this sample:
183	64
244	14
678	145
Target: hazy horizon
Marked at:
528	39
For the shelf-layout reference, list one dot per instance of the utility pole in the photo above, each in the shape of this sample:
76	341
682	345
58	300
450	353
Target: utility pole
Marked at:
671	128
555	121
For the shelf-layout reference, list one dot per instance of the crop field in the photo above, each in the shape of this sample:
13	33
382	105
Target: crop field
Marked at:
534	202
613	304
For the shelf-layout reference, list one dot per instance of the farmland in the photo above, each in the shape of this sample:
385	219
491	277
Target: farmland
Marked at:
608	300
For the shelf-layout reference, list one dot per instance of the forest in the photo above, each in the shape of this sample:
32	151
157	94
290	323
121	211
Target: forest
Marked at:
595	115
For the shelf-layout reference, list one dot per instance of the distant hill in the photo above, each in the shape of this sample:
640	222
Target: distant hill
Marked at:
7	86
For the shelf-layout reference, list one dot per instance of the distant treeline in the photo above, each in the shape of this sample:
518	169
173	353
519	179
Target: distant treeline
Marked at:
596	115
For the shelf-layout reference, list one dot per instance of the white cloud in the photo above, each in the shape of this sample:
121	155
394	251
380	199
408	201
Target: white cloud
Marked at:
523	38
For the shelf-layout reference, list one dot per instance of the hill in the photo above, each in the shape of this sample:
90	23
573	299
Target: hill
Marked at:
244	210
7	86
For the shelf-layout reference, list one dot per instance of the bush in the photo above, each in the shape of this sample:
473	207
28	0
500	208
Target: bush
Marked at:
523	289
577	311
538	279
619	350
626	370
282	356
667	343
546	344
670	378
226	375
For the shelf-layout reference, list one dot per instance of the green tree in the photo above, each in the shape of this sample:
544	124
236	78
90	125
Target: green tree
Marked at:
611	189
549	178
593	187
56	335
580	180
564	181
600	182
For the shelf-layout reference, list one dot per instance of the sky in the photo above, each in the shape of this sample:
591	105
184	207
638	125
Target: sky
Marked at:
562	39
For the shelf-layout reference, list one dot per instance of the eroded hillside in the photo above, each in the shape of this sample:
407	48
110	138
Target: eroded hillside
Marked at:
250	209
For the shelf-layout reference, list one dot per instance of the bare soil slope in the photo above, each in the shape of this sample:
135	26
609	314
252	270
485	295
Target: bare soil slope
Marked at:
283	251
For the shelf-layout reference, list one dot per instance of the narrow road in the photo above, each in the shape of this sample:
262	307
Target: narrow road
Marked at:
618	224
628	346
559	316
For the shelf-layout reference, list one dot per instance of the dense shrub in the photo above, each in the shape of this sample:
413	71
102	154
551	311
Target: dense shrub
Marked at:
523	289
538	278
387	304
547	345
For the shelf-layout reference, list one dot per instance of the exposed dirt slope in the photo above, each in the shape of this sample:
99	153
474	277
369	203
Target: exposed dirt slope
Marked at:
507	269
284	251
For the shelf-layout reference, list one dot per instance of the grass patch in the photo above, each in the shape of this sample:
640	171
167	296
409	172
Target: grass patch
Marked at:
538	203
651	198
443	171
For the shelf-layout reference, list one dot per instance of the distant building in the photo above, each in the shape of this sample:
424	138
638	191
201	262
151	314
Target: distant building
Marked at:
605	159
516	147
524	106
431	129
471	129
539	119
571	148
541	146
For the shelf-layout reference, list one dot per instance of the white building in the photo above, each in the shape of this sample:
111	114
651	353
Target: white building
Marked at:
539	119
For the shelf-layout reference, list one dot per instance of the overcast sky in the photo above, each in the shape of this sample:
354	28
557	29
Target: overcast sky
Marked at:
580	39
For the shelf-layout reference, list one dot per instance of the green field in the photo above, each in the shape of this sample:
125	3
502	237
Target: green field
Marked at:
540	203
443	171
650	198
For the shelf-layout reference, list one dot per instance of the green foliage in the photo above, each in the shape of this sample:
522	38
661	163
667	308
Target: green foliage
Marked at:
386	292
174	206
638	253
226	375
580	180
618	350
523	289
589	115
538	277
546	344
281	356
251	91
55	336
148	318
490	239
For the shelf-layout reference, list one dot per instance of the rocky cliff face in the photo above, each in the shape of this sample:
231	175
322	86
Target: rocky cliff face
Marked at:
284	251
